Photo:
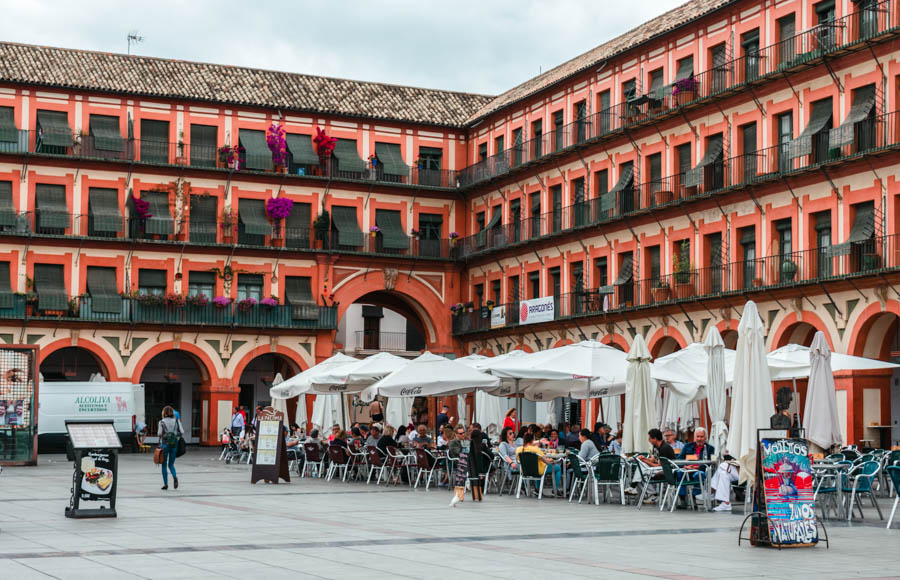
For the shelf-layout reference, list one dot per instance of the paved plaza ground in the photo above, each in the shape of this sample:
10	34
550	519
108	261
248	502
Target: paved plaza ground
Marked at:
218	525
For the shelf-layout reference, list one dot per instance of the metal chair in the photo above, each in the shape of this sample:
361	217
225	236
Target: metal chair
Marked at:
314	460
858	481
495	473
581	471
894	473
678	478
529	470
426	465
340	462
396	463
507	474
376	463
647	481
609	471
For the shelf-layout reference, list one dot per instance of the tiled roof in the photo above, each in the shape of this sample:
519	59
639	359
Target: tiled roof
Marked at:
162	78
672	19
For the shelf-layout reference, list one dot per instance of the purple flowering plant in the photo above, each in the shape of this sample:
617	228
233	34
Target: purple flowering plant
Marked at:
275	141
279	208
270	302
246	304
221	301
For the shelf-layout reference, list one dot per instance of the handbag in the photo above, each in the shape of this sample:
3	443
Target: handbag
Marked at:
158	456
182	447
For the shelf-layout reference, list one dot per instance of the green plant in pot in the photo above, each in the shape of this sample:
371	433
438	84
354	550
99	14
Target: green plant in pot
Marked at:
683	286
322	226
788	270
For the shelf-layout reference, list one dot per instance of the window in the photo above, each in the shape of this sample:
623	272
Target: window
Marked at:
154	145
534	280
203	145
495	292
479	295
683	160
580	209
482	152
559	141
534	229
537	135
629	90
8	214
515	217
556	196
202	283
498	145
604	113
786	40
103	290
750	55
785	130
787	265
577	288
714	245
580	121
654	261
152	282
430	226
601	187
825	20
52	215
555	286
479	221
250	286
372	316
655	94
748	151
513	286
430	166
516	157
601	266
719	75
654	162
748	249
625	280
867	17
822	221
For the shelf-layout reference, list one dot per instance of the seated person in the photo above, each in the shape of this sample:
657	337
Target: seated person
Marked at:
421	438
573	438
290	438
600	436
446	435
386	440
339	440
698	448
314	438
335	429
673	441
507	450
661	449
543	463
588	450
553	441
402	437
720	482
374	436
616	445
356	438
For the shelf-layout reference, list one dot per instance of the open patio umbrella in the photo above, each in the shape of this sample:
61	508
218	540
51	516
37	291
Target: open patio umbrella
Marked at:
429	375
302	383
751	401
398	410
716	380
820	416
474	360
692	361
640	404
355	376
793	361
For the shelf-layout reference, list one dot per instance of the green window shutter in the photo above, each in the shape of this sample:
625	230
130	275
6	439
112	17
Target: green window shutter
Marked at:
344	219
301	149
152	278
199	278
685	68
203	219
818	119
54	129
105	131
748	235
257	154
103	208
6	293
49	285
391	159
298	294
53	213
160	220
864	223
495	218
7	210
101	286
656	85
204	145
154	145
348	156
626	272
8	131
626	180
392	235
296	225
713	153
252	213
863	103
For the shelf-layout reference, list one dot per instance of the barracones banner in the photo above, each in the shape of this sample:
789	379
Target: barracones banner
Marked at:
536	310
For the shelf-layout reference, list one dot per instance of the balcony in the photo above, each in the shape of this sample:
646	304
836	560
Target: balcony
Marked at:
217	233
207	157
871	137
848	34
375	341
138	311
832	263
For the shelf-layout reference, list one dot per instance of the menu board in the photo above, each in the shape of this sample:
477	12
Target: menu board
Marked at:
270	460
789	495
93	435
267	442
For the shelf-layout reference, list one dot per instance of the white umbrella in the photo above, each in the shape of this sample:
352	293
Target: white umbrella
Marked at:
355	376
327	412
552	411
640	407
751	402
793	361
716	380
461	410
398	410
488	412
301	417
474	360
278	403
430	375
612	411
693	362
302	383
820	416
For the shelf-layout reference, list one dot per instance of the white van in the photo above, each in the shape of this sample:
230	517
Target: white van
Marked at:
59	401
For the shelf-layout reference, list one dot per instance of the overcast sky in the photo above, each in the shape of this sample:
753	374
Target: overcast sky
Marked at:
482	46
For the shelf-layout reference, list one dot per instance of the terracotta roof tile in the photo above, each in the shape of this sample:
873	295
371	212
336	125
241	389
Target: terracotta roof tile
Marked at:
646	31
161	78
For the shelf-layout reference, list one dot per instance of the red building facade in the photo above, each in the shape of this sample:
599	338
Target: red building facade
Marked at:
723	151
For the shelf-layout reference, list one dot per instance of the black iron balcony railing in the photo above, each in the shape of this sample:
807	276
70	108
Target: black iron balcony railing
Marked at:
803	50
878	133
384	341
157	310
835	262
209	157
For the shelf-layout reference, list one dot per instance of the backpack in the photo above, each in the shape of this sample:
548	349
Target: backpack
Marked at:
171	437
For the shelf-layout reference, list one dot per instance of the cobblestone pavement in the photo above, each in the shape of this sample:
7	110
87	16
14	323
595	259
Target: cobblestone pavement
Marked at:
219	525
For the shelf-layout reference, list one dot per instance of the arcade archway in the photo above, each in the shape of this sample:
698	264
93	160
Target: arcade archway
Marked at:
175	378
72	363
382	321
257	377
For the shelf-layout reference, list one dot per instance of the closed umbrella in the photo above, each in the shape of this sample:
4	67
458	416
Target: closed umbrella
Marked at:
327	412
278	403
398	410
612	411
640	406
301	417
552	412
430	375
751	401
820	416
461	410
488	412
716	378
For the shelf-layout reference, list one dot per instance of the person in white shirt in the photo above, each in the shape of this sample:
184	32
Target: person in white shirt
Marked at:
237	422
726	474
588	450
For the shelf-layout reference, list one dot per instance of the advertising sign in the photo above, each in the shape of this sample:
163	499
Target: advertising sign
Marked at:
18	410
96	457
270	461
788	488
498	316
536	310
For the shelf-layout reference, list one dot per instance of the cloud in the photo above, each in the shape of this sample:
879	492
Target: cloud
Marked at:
483	46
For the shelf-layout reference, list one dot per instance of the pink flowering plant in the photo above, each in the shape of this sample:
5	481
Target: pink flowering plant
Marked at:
270	302
197	299
324	144
141	208
246	304
221	301
279	208
374	229
277	145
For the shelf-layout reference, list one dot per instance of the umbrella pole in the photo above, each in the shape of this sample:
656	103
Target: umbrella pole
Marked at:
518	406
343	411
797	401
587	397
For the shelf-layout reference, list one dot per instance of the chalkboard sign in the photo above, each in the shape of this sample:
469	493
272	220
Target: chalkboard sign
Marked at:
270	455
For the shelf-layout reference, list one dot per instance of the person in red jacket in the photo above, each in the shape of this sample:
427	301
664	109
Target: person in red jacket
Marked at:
511	420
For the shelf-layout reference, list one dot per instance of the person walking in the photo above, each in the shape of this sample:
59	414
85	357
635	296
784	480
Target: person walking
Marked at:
237	422
169	432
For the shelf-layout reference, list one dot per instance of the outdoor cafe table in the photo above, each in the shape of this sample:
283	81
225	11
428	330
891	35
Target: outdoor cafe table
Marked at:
824	469
709	466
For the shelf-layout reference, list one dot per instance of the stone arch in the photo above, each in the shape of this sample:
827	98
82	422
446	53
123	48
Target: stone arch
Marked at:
616	341
794	330
299	365
204	362
872	329
104	361
666	341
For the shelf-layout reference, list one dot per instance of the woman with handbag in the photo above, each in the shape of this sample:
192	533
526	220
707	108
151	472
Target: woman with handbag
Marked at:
169	433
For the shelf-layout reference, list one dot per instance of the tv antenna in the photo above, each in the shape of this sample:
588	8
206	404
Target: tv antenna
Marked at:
133	38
